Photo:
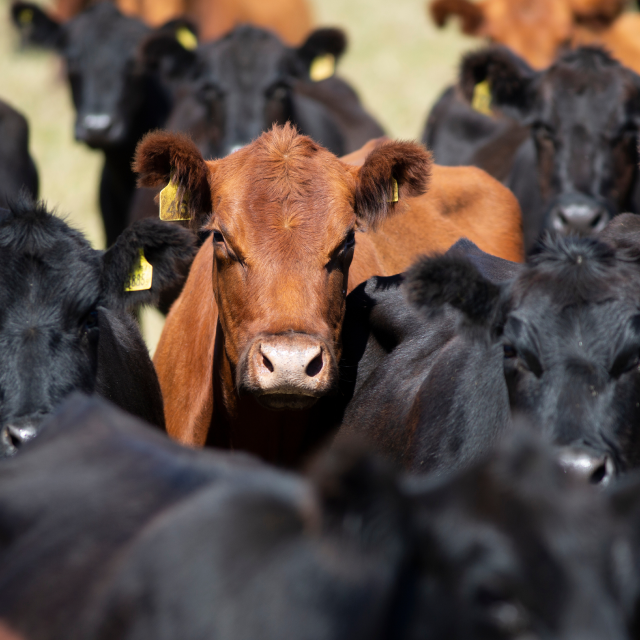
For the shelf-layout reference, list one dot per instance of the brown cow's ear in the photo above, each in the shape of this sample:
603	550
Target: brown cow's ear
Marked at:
470	14
162	157
399	169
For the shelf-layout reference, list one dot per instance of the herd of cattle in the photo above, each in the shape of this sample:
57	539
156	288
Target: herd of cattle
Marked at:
410	370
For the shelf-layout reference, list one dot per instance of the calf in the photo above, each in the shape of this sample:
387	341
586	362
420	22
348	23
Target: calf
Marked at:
64	324
582	114
556	344
218	546
17	170
116	99
264	300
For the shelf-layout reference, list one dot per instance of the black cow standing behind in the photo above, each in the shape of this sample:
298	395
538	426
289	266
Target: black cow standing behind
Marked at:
117	101
578	167
18	172
227	92
64	321
111	531
555	343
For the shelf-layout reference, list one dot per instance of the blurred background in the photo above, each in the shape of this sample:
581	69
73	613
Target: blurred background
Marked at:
397	60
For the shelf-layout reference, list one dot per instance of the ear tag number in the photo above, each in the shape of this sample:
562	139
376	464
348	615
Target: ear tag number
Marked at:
187	38
482	98
322	67
171	210
141	276
394	193
25	17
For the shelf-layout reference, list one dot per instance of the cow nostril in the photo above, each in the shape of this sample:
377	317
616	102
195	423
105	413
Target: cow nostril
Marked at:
267	363
596	221
563	220
13	438
603	473
315	366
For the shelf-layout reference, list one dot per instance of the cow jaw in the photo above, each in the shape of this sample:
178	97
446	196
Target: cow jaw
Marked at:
288	372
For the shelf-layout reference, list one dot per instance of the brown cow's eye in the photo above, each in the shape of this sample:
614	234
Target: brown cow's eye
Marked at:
217	236
350	242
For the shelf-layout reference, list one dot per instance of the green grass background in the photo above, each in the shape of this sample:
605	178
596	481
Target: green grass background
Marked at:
397	61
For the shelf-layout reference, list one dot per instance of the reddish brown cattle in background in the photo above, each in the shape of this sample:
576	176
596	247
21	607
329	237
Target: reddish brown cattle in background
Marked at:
258	324
7	634
290	19
537	29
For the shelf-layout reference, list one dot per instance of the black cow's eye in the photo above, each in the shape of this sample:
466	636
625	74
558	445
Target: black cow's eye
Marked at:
217	236
509	351
278	91
90	321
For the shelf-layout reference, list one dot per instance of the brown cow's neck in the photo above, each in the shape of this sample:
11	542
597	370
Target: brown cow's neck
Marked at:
275	436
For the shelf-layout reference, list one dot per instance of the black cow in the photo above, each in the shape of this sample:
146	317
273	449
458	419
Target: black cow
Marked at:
64	324
116	99
109	530
558	344
17	169
582	113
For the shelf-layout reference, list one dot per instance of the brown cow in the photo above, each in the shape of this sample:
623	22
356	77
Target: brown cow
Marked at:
537	29
257	326
290	19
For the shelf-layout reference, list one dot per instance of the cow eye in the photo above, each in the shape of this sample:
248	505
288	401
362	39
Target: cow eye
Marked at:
350	241
217	236
509	351
209	92
625	362
278	91
90	321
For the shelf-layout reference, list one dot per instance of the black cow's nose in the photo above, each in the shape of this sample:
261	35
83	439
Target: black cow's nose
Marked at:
12	437
592	467
579	215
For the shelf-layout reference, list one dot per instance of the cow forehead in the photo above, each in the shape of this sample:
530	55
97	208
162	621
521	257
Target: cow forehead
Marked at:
288	189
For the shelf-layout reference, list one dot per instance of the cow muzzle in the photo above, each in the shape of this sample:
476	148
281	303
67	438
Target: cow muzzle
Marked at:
289	371
13	436
578	214
594	468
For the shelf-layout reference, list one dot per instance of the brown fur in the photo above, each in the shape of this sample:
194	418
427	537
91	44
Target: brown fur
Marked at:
7	634
284	206
290	19
469	13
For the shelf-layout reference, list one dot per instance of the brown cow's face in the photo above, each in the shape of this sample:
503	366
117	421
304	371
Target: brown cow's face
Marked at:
283	213
282	253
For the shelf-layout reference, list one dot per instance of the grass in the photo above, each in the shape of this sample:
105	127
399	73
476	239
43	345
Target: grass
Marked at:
397	60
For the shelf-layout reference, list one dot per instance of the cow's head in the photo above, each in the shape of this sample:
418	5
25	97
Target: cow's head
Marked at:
283	213
231	90
100	48
534	30
584	113
53	290
569	325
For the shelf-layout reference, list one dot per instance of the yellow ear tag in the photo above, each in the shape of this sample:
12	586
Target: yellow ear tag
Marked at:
141	276
482	98
170	209
394	197
322	67
25	16
187	38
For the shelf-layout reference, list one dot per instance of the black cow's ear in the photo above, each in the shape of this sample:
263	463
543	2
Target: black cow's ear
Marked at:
359	496
170	50
321	52
35	26
470	14
432	282
510	80
391	172
162	157
166	247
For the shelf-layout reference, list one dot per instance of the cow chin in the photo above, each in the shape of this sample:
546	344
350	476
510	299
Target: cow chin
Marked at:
288	372
286	401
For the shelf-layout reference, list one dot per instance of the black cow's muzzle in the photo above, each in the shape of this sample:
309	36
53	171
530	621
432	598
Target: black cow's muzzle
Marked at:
590	466
578	214
14	435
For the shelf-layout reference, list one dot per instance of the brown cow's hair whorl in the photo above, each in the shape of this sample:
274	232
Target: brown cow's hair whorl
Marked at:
408	163
469	13
161	154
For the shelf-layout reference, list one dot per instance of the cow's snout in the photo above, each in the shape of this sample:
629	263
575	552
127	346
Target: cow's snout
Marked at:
289	371
578	215
98	130
595	468
13	436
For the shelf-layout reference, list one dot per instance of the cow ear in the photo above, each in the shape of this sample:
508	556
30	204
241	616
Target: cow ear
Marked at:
391	172
359	496
321	52
470	14
511	81
35	26
167	248
432	282
162	157
170	50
